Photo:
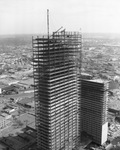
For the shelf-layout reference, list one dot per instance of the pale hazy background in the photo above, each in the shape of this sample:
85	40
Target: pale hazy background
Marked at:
29	16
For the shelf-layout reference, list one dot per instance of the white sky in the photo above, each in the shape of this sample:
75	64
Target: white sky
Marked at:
29	16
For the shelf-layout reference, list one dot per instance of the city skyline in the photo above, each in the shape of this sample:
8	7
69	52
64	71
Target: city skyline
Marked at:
29	16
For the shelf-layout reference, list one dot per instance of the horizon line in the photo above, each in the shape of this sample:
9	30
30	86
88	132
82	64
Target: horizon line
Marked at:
10	34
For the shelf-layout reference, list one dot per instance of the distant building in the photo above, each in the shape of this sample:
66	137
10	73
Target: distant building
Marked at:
13	82
9	90
8	109
94	98
4	121
22	141
2	86
86	76
6	116
114	84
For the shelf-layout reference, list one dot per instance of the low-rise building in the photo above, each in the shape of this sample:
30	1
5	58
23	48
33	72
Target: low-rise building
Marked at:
9	109
6	116
4	122
21	141
2	86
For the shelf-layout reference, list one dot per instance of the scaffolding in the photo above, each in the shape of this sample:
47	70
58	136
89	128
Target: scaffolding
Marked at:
57	98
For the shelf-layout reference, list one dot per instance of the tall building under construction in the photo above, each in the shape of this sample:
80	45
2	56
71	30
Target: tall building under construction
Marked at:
57	99
94	98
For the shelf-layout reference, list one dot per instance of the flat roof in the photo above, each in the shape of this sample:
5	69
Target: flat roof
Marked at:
1	117
96	80
86	74
4	114
9	87
21	95
22	139
99	80
3	86
26	100
28	81
2	146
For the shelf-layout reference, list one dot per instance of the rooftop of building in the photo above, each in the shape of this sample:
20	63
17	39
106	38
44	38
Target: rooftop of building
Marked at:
27	82
1	118
99	80
2	86
86	74
4	114
8	88
26	100
24	139
21	95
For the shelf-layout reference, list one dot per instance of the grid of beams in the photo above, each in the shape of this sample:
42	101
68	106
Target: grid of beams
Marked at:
56	90
94	98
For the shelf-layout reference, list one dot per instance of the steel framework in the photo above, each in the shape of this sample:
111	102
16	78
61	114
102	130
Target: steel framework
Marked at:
57	98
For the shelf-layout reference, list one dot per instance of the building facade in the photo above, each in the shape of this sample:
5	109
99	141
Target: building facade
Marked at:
94	98
5	121
57	100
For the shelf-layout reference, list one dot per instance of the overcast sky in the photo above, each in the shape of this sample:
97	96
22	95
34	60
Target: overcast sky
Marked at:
29	16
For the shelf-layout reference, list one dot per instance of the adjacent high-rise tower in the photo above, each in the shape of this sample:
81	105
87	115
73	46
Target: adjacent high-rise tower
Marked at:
94	99
57	99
